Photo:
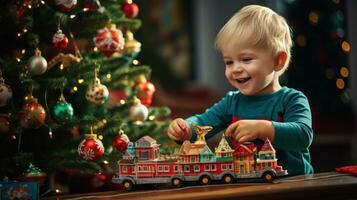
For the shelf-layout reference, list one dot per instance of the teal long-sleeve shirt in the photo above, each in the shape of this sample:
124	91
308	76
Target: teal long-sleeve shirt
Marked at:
290	113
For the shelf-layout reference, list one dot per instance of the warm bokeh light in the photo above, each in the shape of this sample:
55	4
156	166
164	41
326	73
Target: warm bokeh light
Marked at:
301	40
344	72
336	1
313	17
340	83
135	62
345	46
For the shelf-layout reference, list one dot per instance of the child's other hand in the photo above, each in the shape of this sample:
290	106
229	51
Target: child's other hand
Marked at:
248	130
179	130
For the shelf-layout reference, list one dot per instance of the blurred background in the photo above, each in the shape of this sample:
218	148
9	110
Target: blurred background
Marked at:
178	43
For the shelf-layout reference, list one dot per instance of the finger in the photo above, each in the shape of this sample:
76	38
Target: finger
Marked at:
231	129
173	137
182	124
245	138
177	129
171	133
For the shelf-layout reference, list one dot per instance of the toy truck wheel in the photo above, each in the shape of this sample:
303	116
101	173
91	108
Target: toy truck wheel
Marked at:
227	179
176	182
268	176
128	185
205	180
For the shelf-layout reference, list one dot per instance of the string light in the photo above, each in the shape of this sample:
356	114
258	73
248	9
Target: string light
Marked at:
58	191
135	62
109	76
80	81
72	16
23	51
50	133
344	72
122	101
340	83
61	66
138	123
14	137
85	9
151	117
18	34
100	137
345	46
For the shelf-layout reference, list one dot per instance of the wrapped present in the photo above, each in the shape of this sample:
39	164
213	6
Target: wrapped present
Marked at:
19	190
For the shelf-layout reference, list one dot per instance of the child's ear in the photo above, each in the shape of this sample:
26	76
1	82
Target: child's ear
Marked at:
280	60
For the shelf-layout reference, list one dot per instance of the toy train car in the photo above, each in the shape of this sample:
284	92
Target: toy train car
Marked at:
143	164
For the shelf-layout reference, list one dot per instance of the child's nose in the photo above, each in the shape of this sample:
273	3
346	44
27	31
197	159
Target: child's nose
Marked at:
237	68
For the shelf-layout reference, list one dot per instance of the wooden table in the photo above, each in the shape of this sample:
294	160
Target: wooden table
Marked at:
331	185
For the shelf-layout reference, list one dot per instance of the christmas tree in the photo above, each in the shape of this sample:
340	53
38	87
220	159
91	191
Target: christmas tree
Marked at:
72	93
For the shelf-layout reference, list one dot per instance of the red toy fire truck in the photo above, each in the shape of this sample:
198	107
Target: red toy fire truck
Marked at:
143	164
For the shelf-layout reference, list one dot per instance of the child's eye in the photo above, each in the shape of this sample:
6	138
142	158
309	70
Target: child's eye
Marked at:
246	59
228	62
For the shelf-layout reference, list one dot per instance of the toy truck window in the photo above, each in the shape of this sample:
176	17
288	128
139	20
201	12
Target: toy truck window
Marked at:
193	159
176	168
207	168
196	168
166	168
187	168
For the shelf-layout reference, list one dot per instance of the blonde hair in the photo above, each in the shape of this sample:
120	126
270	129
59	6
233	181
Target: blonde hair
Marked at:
262	27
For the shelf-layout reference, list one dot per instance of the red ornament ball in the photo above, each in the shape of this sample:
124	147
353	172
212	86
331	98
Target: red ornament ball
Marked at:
32	115
131	10
109	40
60	40
145	92
65	5
121	142
90	149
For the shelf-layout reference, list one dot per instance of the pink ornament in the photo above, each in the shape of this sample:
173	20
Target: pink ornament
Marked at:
109	40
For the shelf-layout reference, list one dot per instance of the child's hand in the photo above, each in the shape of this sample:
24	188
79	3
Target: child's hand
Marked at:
248	130
179	130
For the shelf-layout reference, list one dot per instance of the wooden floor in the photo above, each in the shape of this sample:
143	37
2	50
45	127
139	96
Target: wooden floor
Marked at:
329	185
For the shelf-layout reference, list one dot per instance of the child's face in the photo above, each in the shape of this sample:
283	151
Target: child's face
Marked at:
250	69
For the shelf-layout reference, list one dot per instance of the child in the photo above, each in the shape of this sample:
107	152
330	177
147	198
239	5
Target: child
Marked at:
255	44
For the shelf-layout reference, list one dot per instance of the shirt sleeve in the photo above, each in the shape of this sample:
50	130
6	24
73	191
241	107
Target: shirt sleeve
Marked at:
295	133
216	116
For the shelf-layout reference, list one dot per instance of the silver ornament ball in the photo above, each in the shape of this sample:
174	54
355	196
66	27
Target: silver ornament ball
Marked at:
37	65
